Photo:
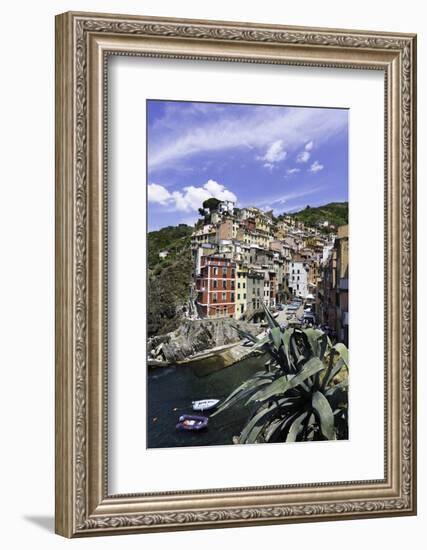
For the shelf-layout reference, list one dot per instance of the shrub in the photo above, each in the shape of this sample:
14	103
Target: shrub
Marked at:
297	397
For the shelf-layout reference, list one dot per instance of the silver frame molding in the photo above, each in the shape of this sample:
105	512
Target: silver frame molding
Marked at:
83	43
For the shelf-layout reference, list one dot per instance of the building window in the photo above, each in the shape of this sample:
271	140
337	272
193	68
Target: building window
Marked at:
238	296
224	285
232	297
244	296
214	297
215	271
232	273
215	283
224	272
224	295
244	285
238	285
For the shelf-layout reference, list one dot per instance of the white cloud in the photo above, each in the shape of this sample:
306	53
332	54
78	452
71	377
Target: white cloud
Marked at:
309	145
274	153
191	197
268	165
219	191
292	171
303	156
316	167
158	194
258	128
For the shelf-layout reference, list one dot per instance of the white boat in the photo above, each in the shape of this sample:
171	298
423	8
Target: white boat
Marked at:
205	404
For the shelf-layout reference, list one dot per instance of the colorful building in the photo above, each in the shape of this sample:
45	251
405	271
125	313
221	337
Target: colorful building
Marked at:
241	289
298	278
216	287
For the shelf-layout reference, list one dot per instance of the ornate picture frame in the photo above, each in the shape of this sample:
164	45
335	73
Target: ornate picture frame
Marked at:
84	42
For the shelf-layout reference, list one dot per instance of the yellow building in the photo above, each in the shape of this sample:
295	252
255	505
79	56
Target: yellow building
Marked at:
241	287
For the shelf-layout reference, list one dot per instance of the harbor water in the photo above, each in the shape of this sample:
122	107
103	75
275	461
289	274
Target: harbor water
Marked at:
171	391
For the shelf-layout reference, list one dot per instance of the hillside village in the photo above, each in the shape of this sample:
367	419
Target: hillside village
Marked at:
245	256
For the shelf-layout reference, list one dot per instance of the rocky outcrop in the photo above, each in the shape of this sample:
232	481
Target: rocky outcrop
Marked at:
193	337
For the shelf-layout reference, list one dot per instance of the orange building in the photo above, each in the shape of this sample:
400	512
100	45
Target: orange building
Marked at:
216	287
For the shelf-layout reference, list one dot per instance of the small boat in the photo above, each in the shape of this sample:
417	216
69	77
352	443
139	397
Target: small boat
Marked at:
192	422
205	404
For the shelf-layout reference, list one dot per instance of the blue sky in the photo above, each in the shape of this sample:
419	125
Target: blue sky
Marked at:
272	157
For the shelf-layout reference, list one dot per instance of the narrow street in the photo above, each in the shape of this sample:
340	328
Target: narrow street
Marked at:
282	317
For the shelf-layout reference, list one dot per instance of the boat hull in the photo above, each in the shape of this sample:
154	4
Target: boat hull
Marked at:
192	423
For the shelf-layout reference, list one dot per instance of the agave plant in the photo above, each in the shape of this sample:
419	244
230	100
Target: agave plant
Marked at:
302	395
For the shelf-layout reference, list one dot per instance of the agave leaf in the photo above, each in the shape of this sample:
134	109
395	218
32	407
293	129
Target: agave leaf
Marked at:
286	337
296	427
244	334
272	323
273	427
276	336
256	424
277	387
253	384
313	336
343	352
283	384
261	343
338	396
335	369
322	344
341	386
282	426
293	348
325	415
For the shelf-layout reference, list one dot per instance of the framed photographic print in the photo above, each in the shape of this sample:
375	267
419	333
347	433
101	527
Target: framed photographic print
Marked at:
235	274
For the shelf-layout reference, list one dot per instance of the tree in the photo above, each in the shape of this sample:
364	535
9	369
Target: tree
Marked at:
211	204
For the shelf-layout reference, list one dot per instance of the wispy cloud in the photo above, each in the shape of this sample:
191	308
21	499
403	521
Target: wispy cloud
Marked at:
190	198
279	129
292	171
275	153
316	167
305	155
280	201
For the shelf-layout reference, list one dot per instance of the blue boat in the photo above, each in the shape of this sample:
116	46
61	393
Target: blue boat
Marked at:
192	422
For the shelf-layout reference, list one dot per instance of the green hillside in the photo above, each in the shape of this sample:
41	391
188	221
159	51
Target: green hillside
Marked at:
169	278
171	238
336	213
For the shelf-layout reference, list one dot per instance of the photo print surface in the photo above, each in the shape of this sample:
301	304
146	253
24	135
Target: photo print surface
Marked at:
247	274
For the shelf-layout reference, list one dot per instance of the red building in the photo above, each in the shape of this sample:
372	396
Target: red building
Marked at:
216	287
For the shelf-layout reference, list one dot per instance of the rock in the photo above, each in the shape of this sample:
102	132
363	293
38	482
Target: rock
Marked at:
194	336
